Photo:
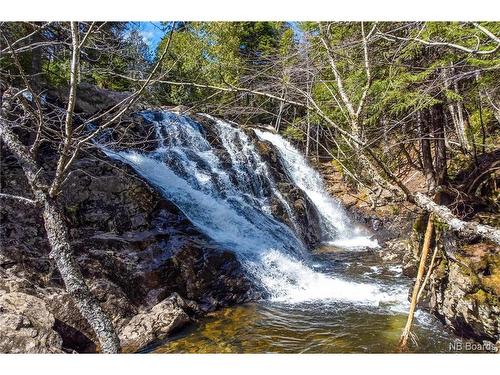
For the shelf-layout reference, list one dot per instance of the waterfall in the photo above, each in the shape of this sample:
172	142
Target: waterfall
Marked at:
226	192
337	228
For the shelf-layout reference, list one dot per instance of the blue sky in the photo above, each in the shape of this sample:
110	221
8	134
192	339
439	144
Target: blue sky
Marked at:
152	32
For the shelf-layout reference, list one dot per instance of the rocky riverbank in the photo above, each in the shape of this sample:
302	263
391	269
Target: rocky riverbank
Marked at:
150	268
145	262
153	271
463	288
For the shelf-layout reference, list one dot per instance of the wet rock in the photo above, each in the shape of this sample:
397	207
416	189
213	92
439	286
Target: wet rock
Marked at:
200	272
267	151
462	288
306	219
26	325
154	324
134	249
107	184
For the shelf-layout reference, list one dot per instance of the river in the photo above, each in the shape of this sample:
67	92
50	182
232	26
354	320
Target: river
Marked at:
340	297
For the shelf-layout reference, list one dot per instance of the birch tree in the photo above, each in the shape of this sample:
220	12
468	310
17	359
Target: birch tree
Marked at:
69	138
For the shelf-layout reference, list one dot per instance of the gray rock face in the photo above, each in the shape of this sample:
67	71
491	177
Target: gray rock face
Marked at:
26	325
134	248
463	289
467	308
154	324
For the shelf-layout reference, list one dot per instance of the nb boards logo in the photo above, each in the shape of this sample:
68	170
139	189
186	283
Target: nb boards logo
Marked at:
484	347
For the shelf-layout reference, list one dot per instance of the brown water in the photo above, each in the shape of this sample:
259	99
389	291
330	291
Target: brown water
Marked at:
274	328
319	326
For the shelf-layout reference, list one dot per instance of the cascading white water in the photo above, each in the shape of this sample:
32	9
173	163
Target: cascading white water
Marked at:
229	202
338	229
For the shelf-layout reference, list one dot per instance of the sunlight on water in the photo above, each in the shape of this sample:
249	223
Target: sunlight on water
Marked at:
270	327
358	242
300	283
337	226
230	204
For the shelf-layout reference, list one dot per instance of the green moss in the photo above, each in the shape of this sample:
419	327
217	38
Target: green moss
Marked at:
441	269
417	235
491	281
440	226
420	224
480	296
483	297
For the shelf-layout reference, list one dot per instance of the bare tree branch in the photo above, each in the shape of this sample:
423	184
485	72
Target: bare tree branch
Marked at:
27	201
68	124
474	51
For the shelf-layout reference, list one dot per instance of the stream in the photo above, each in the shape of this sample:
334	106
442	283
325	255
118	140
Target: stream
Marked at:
339	297
319	326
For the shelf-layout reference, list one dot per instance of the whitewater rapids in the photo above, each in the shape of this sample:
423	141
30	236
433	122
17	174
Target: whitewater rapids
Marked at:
232	207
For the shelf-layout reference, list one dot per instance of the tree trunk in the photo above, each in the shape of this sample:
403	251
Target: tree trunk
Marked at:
280	111
457	116
57	234
87	304
483	130
308	132
466	228
317	142
440	162
356	132
425	147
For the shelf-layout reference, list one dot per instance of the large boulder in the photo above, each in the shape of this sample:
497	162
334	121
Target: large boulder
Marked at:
154	324
26	325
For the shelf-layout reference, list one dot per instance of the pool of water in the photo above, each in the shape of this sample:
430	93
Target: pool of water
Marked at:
347	325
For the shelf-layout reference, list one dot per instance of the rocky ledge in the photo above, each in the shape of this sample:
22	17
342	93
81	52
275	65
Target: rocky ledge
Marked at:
151	270
463	289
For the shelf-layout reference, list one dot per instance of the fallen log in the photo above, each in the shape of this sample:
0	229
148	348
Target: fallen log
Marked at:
465	228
